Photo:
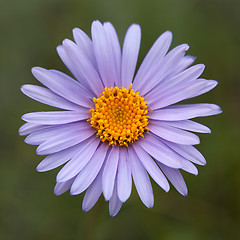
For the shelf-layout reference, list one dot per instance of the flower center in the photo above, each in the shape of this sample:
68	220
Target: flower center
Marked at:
119	116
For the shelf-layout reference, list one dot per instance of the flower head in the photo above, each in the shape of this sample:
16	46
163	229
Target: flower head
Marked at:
115	126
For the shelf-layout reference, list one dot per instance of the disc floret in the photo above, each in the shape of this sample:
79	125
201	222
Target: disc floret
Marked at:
119	116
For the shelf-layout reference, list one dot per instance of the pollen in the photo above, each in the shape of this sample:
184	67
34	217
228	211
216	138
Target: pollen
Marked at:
119	116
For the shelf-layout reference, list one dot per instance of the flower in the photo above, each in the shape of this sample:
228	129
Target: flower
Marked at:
116	126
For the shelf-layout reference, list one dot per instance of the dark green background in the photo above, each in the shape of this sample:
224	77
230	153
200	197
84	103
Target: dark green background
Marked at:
30	31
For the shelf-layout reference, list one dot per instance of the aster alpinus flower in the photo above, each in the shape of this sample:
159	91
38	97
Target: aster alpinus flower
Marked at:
116	126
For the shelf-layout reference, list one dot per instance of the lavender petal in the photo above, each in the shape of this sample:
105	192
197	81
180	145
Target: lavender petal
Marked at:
109	172
124	179
90	171
141	179
131	46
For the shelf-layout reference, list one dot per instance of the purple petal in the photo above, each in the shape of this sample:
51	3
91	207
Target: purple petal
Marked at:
64	140
210	84
185	164
55	117
189	125
174	95
85	44
93	193
184	63
114	203
62	187
46	96
62	85
141	179
163	130
116	49
74	70
109	172
104	54
168	64
90	171
79	161
124	179
189	167
131	46
85	90
57	159
188	152
151	167
160	151
44	134
182	112
27	128
153	60
176	81
175	178
86	69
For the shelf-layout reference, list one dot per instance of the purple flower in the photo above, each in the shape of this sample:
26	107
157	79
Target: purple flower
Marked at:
115	126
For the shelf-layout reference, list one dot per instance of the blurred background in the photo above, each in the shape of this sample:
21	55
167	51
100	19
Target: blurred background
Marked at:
30	32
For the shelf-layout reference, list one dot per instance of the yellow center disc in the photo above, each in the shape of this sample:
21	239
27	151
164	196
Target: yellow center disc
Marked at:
119	116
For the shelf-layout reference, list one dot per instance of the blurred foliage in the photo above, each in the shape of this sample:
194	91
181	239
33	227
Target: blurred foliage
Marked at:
30	31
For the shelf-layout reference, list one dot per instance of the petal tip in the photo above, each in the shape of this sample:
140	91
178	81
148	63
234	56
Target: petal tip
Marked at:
168	35
167	188
73	191
185	193
35	70
39	168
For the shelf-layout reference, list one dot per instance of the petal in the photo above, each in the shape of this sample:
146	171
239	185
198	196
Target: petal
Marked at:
85	44
62	85
64	140
185	164
141	179
172	134
131	46
152	60
57	159
114	203
175	178
174	95
116	49
124	179
44	134
208	87
109	172
73	69
85	90
188	75
27	128
151	167
88	72
186	111
189	167
214	111
189	125
184	63
167	66
62	187
93	193
188	152
160	151
104	54
46	96
55	117
79	161
90	171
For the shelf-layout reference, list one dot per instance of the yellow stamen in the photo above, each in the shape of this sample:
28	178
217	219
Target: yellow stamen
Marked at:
119	116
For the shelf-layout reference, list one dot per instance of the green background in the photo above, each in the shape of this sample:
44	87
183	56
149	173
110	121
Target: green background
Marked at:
30	31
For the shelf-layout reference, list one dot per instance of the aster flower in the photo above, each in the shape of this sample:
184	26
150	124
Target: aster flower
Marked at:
114	126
